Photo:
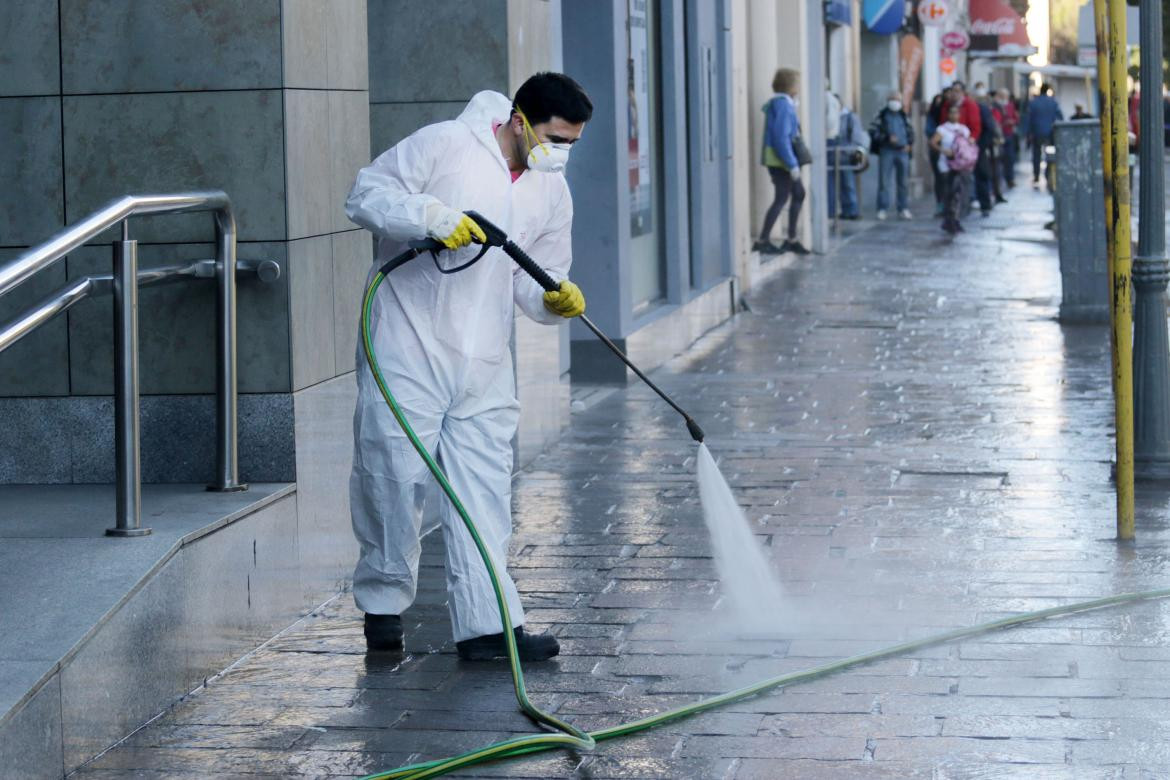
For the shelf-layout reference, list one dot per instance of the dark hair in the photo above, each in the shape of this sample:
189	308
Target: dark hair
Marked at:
1045	89
546	95
785	80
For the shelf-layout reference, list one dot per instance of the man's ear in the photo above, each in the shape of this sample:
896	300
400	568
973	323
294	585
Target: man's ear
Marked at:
517	123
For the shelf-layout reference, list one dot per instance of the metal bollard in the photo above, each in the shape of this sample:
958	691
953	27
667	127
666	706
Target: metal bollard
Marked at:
126	421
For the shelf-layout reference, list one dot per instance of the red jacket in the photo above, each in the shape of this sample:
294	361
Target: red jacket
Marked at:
1008	118
968	115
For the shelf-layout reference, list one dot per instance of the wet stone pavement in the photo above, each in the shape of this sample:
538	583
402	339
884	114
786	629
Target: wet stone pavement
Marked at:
919	444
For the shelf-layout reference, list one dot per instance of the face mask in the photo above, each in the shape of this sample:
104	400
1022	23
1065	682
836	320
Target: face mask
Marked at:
546	158
980	93
894	105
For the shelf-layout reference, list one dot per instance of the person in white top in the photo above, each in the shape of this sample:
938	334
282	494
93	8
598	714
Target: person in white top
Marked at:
958	189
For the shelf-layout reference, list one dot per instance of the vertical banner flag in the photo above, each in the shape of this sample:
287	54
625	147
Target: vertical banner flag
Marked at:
910	56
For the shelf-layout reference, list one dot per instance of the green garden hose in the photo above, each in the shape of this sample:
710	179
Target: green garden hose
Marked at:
568	735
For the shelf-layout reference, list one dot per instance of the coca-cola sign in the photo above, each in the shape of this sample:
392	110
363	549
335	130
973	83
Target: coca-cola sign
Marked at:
1005	25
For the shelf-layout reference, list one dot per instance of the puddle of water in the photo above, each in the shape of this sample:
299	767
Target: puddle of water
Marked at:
750	587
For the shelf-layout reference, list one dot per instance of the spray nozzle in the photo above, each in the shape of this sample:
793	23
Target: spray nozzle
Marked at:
696	431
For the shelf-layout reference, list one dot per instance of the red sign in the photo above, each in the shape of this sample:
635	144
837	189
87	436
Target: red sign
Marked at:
947	66
933	12
956	40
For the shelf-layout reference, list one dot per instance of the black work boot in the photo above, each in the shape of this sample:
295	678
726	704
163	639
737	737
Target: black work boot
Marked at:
532	647
383	632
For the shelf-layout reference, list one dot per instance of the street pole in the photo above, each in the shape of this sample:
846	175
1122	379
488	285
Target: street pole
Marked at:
1101	28
1122	315
1151	350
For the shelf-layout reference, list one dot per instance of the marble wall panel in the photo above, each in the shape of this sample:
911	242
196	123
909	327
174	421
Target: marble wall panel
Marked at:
177	325
347	45
125	673
412	60
352	260
308	155
35	441
38	364
349	145
234	141
29	53
112	46
324	435
241	584
30	742
178	438
32	203
311	319
391	122
303	31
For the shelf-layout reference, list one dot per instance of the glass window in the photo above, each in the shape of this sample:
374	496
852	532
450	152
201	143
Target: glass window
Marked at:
648	265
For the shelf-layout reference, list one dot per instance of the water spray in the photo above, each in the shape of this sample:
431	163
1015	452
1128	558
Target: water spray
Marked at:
564	734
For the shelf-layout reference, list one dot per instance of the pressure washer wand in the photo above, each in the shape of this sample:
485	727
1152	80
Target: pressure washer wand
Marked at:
497	237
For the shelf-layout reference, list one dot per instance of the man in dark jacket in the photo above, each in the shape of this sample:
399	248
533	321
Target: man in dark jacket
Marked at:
1043	112
985	168
893	137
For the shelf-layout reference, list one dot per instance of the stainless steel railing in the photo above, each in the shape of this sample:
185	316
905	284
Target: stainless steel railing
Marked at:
124	284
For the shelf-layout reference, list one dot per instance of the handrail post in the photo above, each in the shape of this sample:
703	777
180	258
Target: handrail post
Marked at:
226	422
126	420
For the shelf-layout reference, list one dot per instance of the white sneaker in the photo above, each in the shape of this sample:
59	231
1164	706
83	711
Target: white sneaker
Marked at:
905	214
881	214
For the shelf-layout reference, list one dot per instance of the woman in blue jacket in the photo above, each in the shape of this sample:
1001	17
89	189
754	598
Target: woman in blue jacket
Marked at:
780	127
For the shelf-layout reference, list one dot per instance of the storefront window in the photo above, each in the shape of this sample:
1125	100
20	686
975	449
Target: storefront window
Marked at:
648	271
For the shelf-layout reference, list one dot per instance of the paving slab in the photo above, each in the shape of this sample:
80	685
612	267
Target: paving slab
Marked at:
919	445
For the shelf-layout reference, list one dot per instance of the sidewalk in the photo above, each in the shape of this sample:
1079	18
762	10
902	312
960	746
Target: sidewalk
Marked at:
921	445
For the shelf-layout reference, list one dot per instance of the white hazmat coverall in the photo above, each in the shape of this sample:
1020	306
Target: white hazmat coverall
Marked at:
443	345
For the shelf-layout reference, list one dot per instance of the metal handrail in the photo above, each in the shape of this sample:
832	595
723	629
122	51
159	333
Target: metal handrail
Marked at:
125	287
78	290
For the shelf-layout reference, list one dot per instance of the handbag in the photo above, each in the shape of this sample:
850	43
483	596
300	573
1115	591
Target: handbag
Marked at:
800	149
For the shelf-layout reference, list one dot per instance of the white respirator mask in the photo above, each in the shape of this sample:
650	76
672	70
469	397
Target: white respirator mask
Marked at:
544	157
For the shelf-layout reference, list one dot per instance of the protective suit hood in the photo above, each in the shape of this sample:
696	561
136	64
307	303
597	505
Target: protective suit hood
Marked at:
482	111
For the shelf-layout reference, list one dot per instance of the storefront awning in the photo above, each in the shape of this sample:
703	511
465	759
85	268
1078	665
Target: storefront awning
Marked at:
997	30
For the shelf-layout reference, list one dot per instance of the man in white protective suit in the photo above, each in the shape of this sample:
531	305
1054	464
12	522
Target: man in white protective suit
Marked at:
443	344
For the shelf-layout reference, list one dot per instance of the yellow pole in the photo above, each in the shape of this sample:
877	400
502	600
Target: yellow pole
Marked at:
1122	261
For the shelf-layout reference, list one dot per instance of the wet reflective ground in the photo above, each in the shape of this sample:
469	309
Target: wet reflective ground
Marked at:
920	445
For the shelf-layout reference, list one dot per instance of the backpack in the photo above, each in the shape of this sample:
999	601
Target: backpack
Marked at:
966	154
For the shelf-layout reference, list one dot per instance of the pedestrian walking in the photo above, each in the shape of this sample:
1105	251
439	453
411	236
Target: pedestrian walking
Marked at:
846	148
934	117
958	155
990	137
891	133
1008	118
443	342
1043	113
784	154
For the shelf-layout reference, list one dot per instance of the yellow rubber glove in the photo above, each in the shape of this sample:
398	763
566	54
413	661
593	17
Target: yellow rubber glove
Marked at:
567	302
452	228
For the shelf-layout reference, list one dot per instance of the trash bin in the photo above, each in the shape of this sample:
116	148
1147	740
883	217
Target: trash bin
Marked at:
1080	222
